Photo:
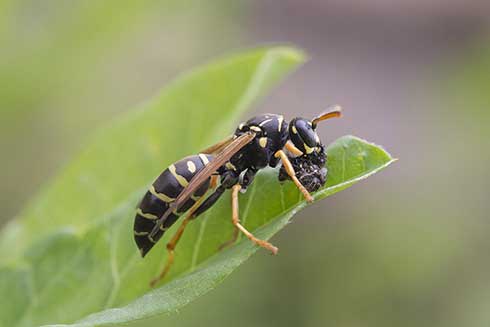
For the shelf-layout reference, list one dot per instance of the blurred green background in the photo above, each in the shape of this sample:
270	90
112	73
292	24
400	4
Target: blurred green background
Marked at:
408	247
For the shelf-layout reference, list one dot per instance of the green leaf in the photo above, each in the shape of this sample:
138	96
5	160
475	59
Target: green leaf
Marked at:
71	254
267	208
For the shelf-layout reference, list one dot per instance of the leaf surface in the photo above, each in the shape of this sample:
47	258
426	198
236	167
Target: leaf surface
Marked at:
268	207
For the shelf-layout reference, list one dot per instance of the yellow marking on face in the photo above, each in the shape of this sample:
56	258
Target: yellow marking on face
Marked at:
204	159
182	181
295	131
229	165
146	215
308	149
240	127
140	233
263	142
255	128
161	196
265	122
191	166
279	121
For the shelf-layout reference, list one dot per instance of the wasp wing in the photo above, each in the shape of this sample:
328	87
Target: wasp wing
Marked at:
216	148
220	159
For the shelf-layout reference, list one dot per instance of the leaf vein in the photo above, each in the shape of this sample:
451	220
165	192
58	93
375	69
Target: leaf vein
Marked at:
197	246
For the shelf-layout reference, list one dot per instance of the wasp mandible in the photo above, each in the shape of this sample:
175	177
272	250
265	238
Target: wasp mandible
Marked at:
264	140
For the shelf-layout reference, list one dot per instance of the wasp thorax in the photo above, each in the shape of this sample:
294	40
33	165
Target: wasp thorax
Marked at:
303	135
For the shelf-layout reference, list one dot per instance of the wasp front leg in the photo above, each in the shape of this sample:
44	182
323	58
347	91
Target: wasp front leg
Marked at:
290	170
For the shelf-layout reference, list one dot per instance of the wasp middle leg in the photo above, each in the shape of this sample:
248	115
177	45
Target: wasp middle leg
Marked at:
239	227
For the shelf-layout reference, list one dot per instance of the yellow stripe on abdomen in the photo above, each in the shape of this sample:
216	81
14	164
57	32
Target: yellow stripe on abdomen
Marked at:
146	215
204	159
161	196
182	181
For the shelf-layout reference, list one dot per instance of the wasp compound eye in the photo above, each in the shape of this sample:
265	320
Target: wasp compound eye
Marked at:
303	135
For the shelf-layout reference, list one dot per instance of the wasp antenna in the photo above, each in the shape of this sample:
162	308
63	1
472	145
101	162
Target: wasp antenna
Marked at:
331	112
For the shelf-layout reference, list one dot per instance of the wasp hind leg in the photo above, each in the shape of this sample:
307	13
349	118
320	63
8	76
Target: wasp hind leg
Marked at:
191	214
239	227
171	247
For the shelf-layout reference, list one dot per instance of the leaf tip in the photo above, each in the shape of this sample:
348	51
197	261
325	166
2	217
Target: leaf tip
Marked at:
290	53
345	140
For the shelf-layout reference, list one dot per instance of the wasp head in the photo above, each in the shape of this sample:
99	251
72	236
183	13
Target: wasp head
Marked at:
302	132
309	166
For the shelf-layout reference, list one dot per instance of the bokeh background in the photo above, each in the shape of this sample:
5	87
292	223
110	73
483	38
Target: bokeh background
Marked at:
407	247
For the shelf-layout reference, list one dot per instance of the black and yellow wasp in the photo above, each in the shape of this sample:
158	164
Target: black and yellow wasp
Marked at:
262	141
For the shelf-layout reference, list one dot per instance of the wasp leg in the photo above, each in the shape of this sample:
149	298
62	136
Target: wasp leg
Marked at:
230	241
175	239
294	150
236	222
245	180
227	181
214	182
290	170
210	201
198	208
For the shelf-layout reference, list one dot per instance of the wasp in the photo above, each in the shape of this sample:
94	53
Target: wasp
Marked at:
193	184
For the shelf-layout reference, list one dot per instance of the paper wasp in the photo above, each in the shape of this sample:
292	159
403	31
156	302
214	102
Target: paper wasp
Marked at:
262	141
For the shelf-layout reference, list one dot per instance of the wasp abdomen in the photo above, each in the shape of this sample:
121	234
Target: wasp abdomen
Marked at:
164	190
